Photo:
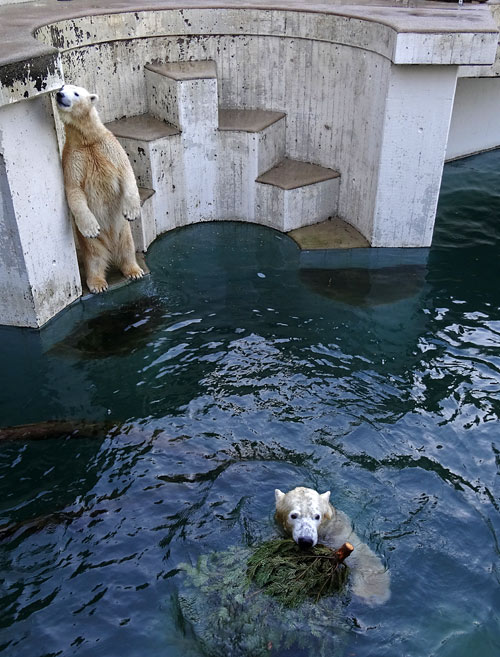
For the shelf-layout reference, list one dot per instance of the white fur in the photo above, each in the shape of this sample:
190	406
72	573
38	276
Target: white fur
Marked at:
297	512
100	188
70	93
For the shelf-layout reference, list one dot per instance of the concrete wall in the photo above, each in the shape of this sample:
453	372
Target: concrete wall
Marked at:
38	268
333	96
415	132
475	124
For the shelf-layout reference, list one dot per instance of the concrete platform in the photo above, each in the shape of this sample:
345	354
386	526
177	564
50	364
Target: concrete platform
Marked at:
182	71
291	174
145	193
243	120
144	128
331	234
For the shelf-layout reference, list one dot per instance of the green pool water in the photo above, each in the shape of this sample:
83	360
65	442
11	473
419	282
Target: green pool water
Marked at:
233	370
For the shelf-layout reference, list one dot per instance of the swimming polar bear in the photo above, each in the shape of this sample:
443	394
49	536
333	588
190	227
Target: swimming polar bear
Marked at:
100	188
308	516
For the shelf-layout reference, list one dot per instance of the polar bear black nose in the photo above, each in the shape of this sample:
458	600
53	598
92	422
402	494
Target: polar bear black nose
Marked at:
305	543
59	94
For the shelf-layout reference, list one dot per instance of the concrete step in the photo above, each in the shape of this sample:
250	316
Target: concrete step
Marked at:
185	94
144	127
144	231
250	142
292	174
154	149
295	194
137	134
145	194
263	131
247	120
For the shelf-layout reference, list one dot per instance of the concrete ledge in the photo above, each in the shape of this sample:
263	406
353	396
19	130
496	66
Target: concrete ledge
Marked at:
331	234
238	120
145	193
291	174
418	35
181	71
144	128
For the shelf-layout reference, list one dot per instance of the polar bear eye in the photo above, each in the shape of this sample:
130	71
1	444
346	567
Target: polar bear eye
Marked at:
317	517
294	516
77	95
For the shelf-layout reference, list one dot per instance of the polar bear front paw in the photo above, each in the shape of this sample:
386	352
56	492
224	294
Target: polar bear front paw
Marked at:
132	208
97	284
89	229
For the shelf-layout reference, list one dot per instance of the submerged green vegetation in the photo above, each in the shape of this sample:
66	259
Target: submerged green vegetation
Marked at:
227	615
281	569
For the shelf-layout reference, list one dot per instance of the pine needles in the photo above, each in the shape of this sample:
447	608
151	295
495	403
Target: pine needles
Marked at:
221	613
281	569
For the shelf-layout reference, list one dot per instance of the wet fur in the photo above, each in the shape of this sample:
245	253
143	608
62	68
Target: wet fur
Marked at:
100	188
370	580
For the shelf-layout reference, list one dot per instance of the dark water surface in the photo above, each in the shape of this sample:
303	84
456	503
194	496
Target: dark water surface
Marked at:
235	372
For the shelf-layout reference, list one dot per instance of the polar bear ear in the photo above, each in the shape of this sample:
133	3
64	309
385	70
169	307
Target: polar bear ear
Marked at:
94	98
278	496
328	510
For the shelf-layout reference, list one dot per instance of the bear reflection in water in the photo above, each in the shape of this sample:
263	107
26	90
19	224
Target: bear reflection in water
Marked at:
366	287
118	331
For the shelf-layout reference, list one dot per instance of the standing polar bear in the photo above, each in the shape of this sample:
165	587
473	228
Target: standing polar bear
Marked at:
306	516
100	188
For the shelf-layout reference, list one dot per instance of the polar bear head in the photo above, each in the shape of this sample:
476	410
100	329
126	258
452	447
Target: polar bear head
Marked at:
74	103
302	512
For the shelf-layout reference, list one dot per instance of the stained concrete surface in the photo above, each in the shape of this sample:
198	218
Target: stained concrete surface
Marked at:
331	234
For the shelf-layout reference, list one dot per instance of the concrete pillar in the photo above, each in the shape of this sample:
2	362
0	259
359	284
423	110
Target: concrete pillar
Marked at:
38	266
185	94
417	117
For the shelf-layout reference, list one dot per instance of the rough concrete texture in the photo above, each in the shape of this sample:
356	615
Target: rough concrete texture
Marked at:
486	71
38	267
182	71
406	33
144	229
414	136
290	174
331	234
144	127
244	155
287	209
239	120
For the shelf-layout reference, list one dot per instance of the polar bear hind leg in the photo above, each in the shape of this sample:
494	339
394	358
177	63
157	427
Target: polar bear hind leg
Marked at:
125	254
96	259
